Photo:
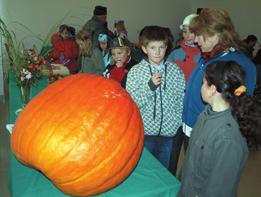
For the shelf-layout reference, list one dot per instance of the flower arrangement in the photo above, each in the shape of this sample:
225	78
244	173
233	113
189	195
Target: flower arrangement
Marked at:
30	70
29	65
26	63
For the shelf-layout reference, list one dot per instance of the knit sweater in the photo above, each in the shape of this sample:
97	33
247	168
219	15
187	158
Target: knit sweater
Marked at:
161	109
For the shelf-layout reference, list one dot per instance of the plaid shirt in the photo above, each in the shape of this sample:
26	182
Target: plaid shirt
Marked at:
161	109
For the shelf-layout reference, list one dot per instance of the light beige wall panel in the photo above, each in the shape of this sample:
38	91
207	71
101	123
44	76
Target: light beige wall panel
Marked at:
245	14
40	16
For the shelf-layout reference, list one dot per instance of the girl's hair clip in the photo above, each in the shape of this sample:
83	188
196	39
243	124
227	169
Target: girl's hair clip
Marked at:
240	90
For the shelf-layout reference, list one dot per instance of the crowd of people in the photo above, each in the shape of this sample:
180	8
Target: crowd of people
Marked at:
202	93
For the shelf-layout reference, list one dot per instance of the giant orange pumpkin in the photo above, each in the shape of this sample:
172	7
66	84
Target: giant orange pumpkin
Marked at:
83	132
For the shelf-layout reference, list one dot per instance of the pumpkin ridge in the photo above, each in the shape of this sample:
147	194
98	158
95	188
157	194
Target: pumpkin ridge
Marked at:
79	176
135	155
136	151
113	148
51	98
86	144
44	144
117	150
102	186
98	120
34	109
32	161
130	157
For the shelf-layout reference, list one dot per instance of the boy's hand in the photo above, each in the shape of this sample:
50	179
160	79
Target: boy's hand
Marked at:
156	78
154	81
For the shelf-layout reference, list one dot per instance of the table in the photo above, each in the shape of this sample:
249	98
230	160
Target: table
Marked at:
149	178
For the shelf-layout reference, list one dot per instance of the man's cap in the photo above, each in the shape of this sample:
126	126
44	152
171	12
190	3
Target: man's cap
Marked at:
100	10
119	42
187	20
118	22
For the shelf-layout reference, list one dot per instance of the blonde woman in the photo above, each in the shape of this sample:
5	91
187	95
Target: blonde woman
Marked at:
91	60
216	36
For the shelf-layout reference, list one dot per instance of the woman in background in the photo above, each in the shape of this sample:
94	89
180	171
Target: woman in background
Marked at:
91	60
216	36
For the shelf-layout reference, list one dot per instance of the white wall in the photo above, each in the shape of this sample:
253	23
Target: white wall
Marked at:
40	16
1	70
1	54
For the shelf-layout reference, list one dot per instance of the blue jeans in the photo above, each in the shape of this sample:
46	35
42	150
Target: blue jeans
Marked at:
176	147
160	147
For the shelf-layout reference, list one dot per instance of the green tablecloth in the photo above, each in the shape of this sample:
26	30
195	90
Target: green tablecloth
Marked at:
149	179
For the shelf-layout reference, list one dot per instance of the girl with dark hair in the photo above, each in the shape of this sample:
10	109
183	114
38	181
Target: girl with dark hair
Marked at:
217	150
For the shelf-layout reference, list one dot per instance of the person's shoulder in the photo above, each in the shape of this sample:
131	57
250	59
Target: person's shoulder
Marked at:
229	134
132	62
110	67
172	66
90	24
55	38
178	47
141	66
177	53
175	71
69	42
96	50
236	56
228	127
177	50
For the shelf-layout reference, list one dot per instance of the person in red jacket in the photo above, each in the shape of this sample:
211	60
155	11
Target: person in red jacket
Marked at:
187	54
65	50
121	59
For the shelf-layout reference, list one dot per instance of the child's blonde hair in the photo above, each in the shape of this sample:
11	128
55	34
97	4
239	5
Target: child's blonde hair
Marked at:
125	48
120	26
86	37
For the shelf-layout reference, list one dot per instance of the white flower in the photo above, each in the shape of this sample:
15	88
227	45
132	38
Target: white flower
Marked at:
24	71
28	75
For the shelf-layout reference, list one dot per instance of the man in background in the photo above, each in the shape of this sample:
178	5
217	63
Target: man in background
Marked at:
97	24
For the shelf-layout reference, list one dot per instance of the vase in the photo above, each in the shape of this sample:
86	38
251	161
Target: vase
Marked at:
25	93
